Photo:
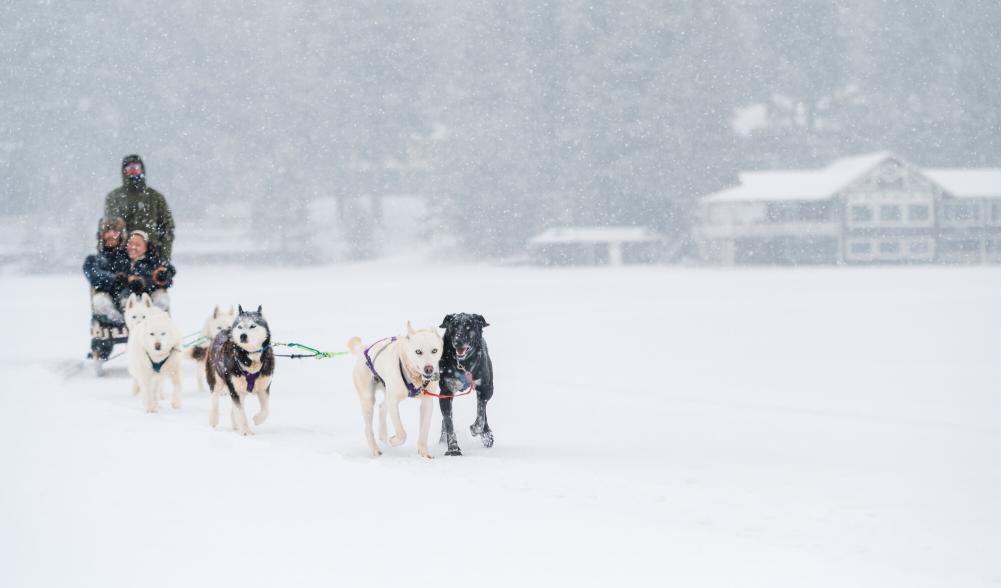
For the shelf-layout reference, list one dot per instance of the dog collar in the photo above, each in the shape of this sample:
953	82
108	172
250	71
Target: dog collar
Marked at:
475	357
261	350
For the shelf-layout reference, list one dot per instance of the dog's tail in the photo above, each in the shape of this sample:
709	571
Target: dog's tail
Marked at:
355	345
196	353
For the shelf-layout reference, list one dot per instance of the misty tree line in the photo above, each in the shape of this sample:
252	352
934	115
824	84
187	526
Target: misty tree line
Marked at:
510	115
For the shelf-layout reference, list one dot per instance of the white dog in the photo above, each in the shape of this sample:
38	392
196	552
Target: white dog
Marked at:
213	326
154	355
138	308
402	367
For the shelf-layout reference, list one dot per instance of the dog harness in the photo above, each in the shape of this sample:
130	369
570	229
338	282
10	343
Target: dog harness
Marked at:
412	391
251	378
220	362
158	365
371	362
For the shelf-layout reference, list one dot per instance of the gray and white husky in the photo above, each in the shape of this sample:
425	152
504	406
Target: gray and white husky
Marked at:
240	361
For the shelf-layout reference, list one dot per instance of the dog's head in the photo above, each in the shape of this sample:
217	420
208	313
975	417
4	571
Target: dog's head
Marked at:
464	332
423	350
159	335
250	330
218	321
138	308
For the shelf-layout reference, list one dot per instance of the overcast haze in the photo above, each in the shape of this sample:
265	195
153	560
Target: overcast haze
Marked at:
506	117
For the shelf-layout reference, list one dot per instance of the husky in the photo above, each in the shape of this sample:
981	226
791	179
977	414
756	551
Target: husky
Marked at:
402	367
155	355
213	326
240	361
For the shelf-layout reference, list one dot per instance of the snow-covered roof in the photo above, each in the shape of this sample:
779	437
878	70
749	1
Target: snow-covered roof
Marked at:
823	183
819	184
594	235
968	182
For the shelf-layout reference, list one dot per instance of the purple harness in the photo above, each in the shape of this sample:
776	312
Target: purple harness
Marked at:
251	378
368	360
412	391
220	364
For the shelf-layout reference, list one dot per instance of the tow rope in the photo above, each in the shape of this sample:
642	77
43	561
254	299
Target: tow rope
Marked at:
314	353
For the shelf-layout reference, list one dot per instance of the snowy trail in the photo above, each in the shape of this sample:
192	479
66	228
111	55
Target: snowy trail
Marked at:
808	427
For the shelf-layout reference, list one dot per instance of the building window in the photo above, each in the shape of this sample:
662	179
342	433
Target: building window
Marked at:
996	212
889	247
966	211
964	246
918	247
889	212
917	212
861	213
861	247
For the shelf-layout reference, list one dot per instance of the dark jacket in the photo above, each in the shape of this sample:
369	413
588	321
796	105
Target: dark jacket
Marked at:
150	272
143	208
107	270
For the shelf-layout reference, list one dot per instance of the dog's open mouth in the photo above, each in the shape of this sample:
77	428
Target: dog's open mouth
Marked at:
461	351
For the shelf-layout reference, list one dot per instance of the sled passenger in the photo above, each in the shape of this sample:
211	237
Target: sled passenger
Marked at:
149	271
107	271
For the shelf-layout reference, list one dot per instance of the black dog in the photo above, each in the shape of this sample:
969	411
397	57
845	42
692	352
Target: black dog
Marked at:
465	363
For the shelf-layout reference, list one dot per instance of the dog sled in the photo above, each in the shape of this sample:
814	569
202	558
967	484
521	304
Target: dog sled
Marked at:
104	335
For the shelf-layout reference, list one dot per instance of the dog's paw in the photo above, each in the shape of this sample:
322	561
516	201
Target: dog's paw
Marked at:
452	451
247	432
423	452
396	441
260	418
376	452
176	404
487	438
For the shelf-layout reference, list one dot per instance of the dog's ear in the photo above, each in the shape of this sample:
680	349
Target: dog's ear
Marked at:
258	309
240	308
445	321
483	322
230	309
410	329
147	300
215	313
131	301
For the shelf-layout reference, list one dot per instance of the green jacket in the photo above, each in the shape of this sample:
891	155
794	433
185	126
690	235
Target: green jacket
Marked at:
144	209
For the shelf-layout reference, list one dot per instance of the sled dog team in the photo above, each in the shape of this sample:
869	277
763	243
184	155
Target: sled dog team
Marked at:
239	360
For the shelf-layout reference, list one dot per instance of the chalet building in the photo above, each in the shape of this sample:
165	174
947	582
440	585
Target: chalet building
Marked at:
596	246
874	208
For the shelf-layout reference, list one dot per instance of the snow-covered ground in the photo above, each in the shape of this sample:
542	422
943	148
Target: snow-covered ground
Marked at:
660	426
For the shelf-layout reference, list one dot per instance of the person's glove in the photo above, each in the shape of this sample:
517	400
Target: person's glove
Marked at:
137	284
121	280
161	277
